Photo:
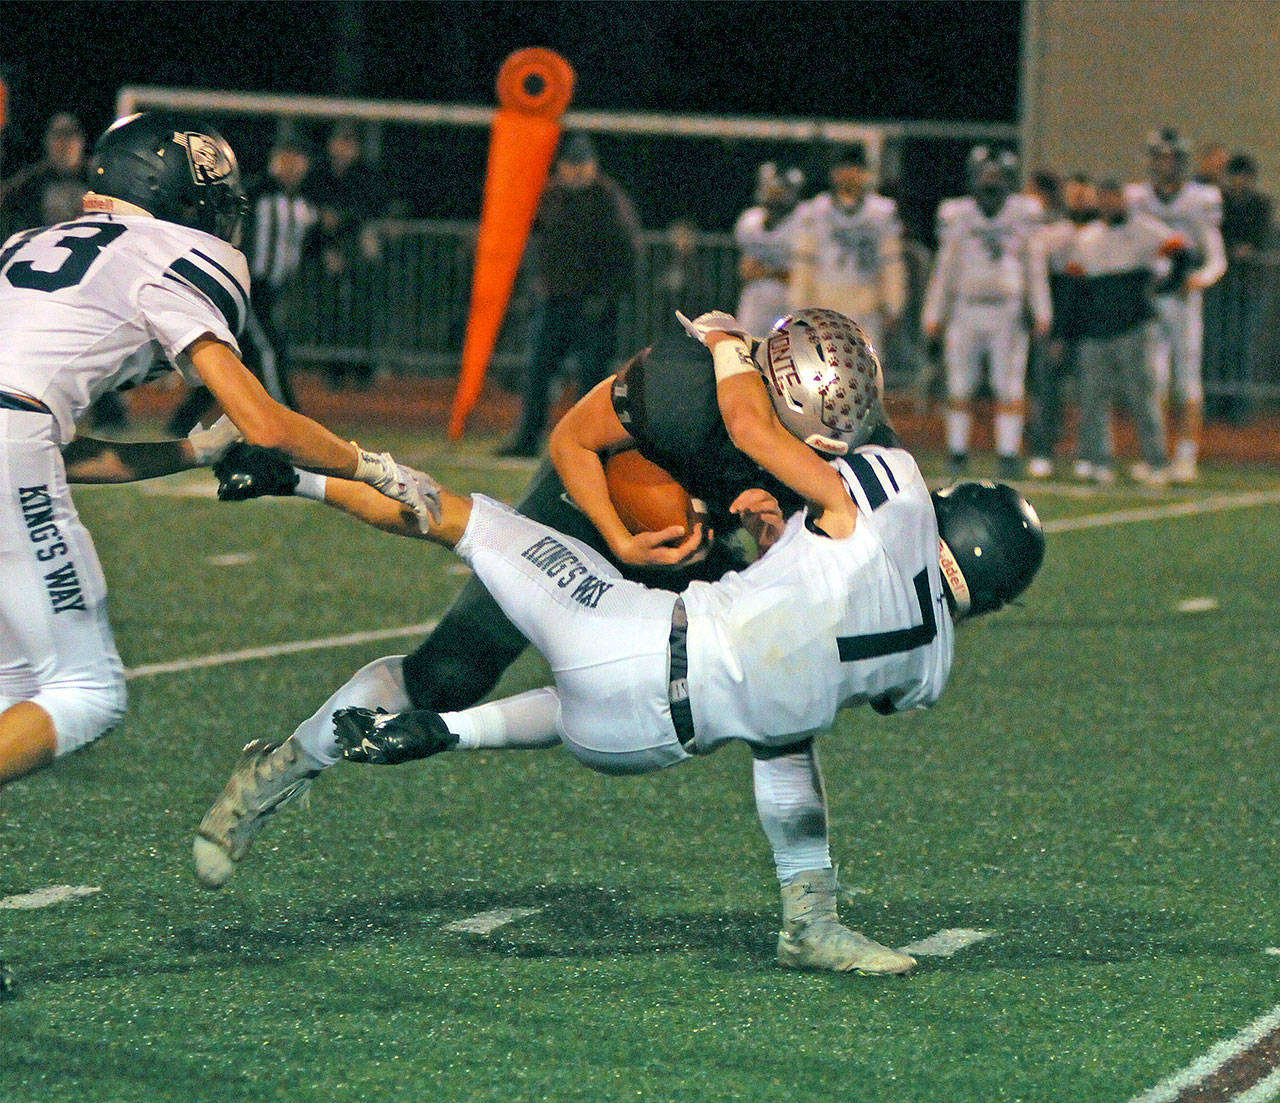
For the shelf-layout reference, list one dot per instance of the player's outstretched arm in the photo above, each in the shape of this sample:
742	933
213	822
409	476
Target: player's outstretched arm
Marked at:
90	460
307	443
247	471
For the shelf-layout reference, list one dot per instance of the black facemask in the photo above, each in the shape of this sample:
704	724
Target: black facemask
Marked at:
1081	215
1116	218
990	198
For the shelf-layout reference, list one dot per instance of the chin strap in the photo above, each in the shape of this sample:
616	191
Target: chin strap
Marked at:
954	578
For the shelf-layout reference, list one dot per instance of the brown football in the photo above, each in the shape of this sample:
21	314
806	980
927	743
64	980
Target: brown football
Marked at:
646	497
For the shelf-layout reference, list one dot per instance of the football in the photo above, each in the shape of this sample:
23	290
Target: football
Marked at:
646	497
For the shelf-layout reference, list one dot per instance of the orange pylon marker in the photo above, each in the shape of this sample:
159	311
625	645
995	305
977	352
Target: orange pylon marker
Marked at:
534	89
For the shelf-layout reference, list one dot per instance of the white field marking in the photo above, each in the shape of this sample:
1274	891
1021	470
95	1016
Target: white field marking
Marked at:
488	922
1068	524
1215	504
231	559
1274	951
1262	1092
50	894
1203	1067
226	658
1198	605
178	488
946	942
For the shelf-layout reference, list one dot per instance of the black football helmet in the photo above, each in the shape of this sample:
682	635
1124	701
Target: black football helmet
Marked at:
177	168
992	544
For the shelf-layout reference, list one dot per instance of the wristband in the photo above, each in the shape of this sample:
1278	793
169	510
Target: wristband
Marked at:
732	358
310	485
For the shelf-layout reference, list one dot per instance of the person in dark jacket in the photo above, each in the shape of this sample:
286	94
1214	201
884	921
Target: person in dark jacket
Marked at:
583	253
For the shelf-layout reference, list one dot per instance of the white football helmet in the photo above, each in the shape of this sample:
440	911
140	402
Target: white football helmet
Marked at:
824	379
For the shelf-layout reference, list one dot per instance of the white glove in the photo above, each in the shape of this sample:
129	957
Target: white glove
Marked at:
713	321
210	444
381	471
430	491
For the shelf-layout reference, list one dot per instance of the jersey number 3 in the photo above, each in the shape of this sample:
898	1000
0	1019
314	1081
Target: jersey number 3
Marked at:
83	252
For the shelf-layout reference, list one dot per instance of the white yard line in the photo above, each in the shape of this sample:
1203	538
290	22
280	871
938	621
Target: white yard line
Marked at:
946	942
488	922
1214	504
1262	1092
226	658
50	894
1203	1067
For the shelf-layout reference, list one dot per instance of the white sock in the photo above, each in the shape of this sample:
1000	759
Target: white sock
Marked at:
1008	434
958	427
378	685
1185	450
526	721
792	808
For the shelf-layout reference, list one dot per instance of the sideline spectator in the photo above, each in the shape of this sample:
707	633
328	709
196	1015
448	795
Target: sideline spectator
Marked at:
583	253
1053	359
988	278
1115	257
280	218
349	193
1176	341
847	249
764	248
1211	164
1240	298
51	191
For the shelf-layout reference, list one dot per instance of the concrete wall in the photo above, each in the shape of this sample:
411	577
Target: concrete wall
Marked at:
1099	75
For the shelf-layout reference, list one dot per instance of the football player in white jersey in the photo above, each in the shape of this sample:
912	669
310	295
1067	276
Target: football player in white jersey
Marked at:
763	238
147	279
847	249
853	604
1175	348
989	275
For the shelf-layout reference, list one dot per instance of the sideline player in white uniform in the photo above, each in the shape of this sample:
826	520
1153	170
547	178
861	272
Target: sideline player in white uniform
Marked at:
146	280
763	237
847	252
848	607
1176	339
989	274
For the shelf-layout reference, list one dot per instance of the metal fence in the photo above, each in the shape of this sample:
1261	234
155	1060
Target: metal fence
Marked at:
403	307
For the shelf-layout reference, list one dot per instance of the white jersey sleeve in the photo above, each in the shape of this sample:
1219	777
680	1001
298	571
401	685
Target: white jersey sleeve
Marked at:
102	302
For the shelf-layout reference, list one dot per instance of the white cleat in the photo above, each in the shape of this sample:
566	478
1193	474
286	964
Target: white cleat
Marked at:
1183	471
266	778
1148	475
1040	467
812	936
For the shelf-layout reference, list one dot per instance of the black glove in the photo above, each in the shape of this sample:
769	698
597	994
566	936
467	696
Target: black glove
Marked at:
390	738
248	471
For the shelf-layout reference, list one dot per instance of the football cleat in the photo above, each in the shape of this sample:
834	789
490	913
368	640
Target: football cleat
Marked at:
1040	467
1183	471
266	778
1149	475
390	738
812	936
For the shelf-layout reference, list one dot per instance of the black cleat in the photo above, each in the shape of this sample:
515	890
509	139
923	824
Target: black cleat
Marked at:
390	738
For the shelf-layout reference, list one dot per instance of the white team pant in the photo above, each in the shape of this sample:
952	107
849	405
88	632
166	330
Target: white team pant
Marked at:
1176	342
996	330
56	648
605	638
762	303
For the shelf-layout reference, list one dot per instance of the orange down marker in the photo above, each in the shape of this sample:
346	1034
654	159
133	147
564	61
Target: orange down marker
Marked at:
534	88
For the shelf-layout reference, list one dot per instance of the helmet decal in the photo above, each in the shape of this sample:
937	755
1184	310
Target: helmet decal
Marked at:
209	164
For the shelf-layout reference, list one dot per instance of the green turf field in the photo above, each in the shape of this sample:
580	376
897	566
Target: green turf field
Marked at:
1098	792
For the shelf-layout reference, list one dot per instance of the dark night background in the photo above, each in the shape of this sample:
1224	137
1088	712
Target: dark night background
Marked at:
854	61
